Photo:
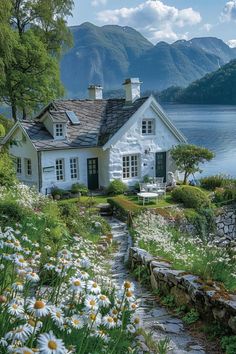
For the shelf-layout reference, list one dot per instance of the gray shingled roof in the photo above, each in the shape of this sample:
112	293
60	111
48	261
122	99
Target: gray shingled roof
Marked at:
99	121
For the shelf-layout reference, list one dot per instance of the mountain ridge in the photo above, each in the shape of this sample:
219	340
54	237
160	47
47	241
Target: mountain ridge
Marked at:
108	54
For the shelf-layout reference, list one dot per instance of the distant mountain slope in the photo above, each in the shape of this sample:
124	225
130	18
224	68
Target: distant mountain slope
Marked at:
106	55
166	65
218	87
100	55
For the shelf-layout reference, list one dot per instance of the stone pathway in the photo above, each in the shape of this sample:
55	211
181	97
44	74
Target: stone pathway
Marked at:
155	318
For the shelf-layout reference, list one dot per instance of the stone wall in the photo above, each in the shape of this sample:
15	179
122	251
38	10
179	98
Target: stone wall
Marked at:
226	222
209	299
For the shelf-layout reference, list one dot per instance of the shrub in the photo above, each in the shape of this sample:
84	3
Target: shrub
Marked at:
79	188
225	195
56	191
228	344
10	209
7	170
191	197
213	182
117	187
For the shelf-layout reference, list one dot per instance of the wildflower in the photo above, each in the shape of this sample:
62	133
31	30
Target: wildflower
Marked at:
76	321
77	284
21	333
49	344
128	286
93	287
32	277
15	308
57	315
103	301
91	302
38	308
24	350
108	322
18	286
94	319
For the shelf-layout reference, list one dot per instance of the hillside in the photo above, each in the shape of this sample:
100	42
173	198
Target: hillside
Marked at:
106	55
100	55
214	88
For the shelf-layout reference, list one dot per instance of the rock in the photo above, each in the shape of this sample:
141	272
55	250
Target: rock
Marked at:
232	323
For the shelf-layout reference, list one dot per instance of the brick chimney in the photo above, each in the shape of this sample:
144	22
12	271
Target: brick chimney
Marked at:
95	92
132	89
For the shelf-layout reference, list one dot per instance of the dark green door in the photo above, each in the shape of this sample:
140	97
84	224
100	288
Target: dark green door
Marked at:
161	165
92	166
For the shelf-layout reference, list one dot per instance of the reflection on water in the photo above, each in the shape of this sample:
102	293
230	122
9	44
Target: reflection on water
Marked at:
213	127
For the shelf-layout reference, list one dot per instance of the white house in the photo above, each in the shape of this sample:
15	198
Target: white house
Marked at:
95	141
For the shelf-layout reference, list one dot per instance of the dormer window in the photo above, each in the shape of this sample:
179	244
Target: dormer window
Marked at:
59	130
148	127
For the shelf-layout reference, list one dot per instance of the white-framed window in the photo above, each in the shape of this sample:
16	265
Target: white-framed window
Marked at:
60	170
59	131
130	166
28	167
74	168
148	127
18	166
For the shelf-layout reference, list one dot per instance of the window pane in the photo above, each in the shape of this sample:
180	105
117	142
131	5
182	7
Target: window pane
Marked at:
60	169
130	166
74	168
148	126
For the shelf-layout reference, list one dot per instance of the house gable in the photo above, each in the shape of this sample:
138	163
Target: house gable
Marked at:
143	112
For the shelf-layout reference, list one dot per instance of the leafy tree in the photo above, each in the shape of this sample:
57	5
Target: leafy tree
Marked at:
189	157
7	170
6	123
36	35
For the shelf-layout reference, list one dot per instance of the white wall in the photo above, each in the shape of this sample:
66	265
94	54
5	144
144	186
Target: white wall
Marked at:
48	158
24	149
133	142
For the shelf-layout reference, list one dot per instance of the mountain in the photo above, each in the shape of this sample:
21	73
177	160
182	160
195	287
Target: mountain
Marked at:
100	55
107	55
214	88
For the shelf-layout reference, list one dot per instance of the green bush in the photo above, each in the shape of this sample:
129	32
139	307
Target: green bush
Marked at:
213	182
79	188
7	170
11	210
228	344
116	187
191	197
225	195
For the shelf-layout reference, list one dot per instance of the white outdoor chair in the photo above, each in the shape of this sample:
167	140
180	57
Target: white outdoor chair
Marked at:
158	180
160	189
143	187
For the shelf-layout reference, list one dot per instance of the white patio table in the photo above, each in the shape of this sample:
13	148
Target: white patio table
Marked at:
147	196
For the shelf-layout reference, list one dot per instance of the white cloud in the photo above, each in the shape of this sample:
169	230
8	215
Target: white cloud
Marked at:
98	2
153	18
232	43
207	27
229	12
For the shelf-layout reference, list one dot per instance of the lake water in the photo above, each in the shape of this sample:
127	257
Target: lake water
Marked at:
213	127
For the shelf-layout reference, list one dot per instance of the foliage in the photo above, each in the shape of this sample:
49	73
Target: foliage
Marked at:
225	195
188	158
7	170
55	286
191	197
163	346
56	191
6	123
79	188
214	88
191	317
184	251
116	187
203	220
212	182
228	343
35	34
2	131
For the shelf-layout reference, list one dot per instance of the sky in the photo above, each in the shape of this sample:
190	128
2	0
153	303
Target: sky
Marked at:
167	20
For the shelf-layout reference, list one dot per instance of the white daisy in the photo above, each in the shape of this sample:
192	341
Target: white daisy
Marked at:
57	315
103	300
49	344
108	321
38	308
91	302
32	277
77	285
93	287
76	321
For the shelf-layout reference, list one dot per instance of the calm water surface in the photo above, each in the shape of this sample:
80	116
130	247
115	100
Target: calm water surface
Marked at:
213	127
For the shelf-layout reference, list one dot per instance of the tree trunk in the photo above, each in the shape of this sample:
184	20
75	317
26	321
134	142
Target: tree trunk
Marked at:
185	178
14	112
24	114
